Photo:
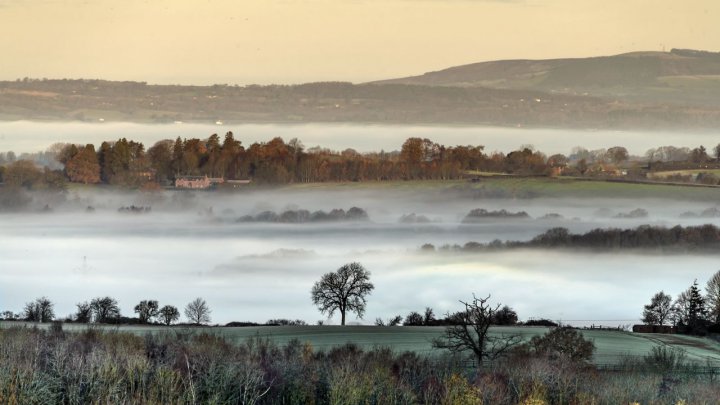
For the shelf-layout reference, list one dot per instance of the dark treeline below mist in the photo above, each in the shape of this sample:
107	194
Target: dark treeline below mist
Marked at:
676	239
302	216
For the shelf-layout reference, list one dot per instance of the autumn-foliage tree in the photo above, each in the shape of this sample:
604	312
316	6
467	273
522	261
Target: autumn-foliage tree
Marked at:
83	166
23	173
344	290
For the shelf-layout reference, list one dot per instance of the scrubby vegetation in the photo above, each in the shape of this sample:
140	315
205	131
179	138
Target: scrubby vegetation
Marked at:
49	367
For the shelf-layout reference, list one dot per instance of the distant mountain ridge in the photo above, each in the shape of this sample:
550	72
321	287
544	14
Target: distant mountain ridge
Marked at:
688	73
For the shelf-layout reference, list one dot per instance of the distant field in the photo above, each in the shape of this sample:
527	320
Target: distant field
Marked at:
611	346
665	174
531	187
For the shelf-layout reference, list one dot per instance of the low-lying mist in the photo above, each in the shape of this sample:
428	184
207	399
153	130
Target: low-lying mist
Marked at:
27	136
190	244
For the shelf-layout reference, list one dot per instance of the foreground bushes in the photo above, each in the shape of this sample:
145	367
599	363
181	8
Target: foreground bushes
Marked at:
50	367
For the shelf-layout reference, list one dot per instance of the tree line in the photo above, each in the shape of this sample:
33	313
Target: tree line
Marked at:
106	310
677	238
691	312
128	163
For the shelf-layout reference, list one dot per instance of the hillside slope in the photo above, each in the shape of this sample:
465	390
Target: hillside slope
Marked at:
694	76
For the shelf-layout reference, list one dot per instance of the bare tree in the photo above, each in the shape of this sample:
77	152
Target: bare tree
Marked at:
563	342
146	310
429	317
8	316
168	314
470	332
659	310
40	310
84	312
104	309
344	290
413	319
713	296
394	321
198	311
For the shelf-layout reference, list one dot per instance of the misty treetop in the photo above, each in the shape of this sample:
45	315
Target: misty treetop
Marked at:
480	214
303	216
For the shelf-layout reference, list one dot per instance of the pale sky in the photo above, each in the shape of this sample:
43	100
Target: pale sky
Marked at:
292	41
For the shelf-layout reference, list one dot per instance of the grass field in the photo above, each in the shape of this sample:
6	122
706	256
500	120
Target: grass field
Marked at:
530	187
611	346
688	172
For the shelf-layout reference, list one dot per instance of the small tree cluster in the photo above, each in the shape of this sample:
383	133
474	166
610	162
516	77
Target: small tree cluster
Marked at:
417	319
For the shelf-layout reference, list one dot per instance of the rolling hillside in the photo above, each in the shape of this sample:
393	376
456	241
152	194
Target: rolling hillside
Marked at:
694	76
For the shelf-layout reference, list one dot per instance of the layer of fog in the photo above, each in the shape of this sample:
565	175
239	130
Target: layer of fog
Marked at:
190	245
24	136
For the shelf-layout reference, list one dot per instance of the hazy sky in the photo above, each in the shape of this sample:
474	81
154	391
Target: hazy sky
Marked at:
288	41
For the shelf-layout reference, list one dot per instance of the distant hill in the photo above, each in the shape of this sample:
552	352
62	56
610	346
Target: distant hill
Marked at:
641	90
650	76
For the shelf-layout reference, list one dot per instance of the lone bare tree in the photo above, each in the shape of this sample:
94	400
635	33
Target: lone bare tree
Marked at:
198	311
343	290
469	331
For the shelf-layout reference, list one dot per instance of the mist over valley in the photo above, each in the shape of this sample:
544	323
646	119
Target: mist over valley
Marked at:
194	244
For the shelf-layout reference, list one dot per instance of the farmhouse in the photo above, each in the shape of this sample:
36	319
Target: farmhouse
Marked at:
197	182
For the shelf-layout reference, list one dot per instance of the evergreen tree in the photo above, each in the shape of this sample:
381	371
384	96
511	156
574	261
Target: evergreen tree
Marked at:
177	157
696	309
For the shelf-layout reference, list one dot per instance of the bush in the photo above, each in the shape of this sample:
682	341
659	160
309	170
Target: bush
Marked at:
563	342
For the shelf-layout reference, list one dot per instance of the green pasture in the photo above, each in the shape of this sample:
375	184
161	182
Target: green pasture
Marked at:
528	187
611	346
488	185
